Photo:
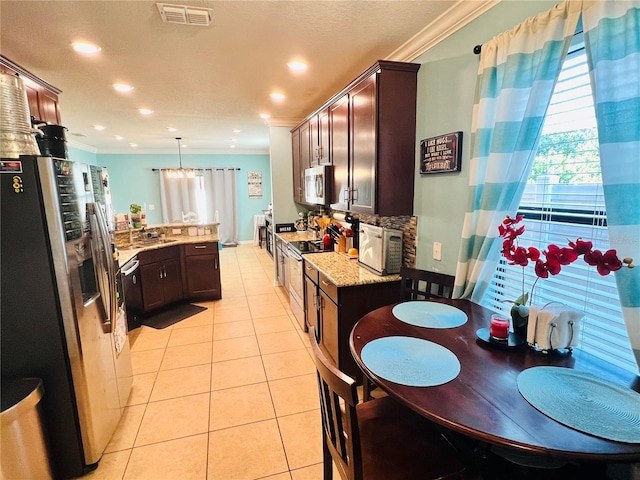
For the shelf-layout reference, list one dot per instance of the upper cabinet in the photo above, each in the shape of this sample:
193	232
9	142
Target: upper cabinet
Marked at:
371	127
42	97
319	135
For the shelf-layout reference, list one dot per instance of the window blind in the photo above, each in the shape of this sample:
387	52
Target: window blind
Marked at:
563	200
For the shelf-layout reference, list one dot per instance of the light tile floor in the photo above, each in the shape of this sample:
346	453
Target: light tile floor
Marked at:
227	394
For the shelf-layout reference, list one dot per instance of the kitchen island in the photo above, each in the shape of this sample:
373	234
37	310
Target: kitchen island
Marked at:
159	272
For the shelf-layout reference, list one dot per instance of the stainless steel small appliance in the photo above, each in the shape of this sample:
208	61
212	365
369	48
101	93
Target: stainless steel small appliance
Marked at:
317	184
380	249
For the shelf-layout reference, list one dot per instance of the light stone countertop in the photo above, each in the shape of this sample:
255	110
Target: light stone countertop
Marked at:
295	236
125	254
344	271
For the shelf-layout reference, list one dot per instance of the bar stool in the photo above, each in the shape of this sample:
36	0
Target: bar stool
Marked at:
262	234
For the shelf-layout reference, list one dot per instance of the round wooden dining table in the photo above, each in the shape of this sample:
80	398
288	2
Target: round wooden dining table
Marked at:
483	401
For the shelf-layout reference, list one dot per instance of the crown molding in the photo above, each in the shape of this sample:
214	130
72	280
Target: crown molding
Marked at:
456	17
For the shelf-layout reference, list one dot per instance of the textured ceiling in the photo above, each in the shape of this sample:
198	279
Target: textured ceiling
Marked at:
204	81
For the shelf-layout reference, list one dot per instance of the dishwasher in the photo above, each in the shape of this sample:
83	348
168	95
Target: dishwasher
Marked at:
130	274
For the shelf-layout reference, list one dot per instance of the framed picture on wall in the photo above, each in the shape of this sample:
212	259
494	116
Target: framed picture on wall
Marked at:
441	154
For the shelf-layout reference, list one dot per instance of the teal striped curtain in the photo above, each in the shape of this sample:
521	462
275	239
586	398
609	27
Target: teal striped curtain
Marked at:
612	43
517	73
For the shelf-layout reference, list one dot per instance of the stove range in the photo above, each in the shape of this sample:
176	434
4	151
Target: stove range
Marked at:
306	246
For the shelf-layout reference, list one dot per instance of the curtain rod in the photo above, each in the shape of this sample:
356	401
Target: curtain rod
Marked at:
477	49
197	169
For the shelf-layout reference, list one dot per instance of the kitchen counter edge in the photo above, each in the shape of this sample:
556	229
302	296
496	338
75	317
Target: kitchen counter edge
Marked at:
126	254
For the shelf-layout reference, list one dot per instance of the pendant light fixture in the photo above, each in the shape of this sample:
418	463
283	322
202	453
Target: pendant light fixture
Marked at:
180	172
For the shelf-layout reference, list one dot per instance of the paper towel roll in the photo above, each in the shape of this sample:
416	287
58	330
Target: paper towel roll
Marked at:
339	217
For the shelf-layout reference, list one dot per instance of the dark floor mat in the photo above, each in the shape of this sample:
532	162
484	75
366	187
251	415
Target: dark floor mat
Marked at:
172	315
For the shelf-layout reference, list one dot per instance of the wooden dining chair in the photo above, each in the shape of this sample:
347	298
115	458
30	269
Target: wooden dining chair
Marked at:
380	439
417	285
422	284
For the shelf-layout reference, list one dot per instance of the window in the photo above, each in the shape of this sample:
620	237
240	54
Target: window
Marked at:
564	200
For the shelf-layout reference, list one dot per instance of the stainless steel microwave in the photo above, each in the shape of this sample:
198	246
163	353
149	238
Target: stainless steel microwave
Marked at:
317	184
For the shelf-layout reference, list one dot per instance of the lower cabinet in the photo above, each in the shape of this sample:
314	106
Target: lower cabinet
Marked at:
202	271
161	277
335	310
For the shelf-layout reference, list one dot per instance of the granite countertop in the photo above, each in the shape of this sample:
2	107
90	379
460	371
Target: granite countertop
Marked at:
125	254
295	236
344	271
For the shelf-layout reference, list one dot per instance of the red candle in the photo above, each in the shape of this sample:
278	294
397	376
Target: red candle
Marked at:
499	328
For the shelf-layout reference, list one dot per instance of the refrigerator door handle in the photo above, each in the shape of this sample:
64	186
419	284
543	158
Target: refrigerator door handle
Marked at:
103	264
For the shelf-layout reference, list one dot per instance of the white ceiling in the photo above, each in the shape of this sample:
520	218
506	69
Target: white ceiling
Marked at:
207	81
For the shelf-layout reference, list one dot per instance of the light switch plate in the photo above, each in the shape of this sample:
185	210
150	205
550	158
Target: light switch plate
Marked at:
437	251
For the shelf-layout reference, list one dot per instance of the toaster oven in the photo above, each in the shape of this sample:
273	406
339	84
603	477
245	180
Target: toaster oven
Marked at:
380	249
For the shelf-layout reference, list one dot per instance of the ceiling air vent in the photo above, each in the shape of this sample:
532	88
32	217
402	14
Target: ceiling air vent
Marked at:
184	14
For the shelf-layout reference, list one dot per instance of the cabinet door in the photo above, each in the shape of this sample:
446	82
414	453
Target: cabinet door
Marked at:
305	148
311	304
172	281
323	137
314	141
339	152
203	276
363	146
298	169
329	328
49	107
152	277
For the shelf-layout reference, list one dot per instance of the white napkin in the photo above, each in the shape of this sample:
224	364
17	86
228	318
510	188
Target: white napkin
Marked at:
550	326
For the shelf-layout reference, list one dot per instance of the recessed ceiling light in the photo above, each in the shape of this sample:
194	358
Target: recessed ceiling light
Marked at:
88	48
232	146
236	130
119	137
172	129
265	116
99	127
134	145
297	66
122	87
277	96
145	111
233	139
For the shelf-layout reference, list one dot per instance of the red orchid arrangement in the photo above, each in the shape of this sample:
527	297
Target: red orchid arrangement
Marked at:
554	256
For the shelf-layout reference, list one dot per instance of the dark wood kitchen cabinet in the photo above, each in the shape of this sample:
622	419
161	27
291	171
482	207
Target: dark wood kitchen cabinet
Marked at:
161	277
319	138
298	168
202	271
339	152
372	141
333	311
41	96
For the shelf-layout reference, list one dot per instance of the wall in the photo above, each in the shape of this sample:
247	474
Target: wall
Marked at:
134	181
446	84
285	209
80	155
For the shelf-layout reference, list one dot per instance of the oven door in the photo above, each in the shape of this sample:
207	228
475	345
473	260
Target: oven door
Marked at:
296	287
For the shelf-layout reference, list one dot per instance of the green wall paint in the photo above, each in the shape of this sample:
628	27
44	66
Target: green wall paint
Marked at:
134	181
446	84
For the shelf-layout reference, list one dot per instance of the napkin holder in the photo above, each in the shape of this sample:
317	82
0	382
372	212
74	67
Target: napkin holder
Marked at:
553	327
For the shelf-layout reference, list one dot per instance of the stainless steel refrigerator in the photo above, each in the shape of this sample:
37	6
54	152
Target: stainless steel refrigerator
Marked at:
62	315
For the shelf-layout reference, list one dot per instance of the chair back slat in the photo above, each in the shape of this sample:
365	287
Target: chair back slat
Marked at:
338	400
422	284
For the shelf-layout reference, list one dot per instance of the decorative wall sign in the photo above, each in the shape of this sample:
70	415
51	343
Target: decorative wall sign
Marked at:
441	154
254	179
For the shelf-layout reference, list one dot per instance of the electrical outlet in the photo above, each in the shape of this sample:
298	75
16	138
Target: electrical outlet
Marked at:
152	206
437	251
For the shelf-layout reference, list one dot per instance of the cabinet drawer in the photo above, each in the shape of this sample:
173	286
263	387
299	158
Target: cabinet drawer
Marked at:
204	248
158	255
311	272
329	288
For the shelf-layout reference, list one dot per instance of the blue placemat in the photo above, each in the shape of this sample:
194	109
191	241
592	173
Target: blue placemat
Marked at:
410	361
429	314
584	402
